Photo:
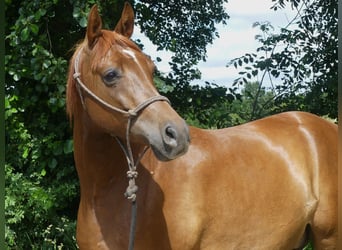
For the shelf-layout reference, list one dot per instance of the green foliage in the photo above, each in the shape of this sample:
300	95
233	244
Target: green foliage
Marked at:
254	102
206	106
303	55
31	218
213	106
308	247
39	191
184	28
41	182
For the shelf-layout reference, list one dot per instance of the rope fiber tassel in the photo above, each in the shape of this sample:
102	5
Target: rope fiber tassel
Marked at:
131	190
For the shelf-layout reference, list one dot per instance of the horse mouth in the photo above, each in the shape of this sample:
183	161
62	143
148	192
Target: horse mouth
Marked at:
165	155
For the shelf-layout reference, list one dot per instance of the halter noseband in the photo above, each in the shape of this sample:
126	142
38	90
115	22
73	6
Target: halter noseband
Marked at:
132	173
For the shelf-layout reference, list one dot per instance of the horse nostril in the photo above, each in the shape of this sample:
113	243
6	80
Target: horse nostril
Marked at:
170	137
171	132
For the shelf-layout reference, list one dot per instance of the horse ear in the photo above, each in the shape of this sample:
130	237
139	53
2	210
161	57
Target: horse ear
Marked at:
126	23
94	26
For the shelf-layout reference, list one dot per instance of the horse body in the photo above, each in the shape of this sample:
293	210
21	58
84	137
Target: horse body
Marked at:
254	186
261	185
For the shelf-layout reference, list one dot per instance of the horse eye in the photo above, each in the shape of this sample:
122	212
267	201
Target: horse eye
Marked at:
110	77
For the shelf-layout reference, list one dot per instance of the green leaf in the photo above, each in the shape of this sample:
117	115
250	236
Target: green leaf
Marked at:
16	77
68	146
34	28
25	153
76	12
24	35
83	22
43	172
53	163
46	64
41	12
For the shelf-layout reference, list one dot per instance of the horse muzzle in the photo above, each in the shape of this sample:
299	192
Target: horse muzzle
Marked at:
173	142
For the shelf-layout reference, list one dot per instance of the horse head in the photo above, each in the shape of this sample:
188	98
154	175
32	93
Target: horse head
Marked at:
111	81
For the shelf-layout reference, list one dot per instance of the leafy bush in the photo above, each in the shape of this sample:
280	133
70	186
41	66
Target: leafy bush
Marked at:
302	55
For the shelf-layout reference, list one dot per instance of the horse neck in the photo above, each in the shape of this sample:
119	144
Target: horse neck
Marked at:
99	159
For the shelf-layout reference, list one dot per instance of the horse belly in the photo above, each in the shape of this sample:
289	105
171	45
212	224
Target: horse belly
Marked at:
254	219
224	232
255	237
260	215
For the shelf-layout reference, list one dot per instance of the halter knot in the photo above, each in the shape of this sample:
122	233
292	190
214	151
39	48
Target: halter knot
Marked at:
132	113
132	174
76	75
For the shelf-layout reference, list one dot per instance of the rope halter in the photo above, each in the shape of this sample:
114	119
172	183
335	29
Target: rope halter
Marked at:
132	173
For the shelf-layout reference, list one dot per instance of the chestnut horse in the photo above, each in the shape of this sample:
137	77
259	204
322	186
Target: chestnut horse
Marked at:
268	184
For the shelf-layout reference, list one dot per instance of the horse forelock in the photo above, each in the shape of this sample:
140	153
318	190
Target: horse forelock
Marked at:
104	43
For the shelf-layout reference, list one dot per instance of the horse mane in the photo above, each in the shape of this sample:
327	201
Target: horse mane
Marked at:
102	46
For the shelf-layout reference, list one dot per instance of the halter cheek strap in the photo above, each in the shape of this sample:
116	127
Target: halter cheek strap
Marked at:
131	113
132	173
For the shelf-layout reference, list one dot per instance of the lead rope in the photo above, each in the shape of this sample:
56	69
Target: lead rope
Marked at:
132	188
132	174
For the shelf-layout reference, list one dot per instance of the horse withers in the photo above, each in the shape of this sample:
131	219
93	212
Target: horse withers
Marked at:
267	184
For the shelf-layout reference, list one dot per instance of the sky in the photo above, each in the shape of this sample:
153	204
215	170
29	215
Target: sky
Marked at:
237	37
